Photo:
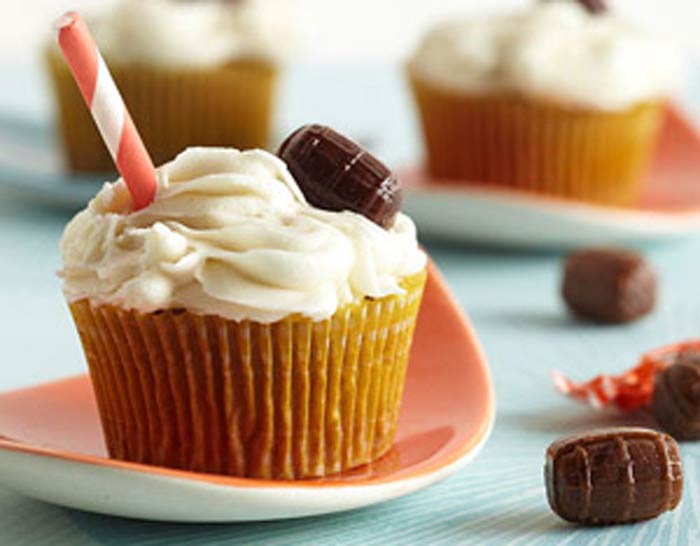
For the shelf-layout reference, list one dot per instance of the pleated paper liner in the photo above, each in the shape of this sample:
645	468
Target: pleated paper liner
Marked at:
538	146
230	106
293	399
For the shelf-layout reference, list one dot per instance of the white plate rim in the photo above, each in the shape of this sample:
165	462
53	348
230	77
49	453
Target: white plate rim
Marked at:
524	220
132	493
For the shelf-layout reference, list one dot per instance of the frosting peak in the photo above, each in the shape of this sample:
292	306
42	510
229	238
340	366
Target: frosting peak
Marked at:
193	34
231	234
555	51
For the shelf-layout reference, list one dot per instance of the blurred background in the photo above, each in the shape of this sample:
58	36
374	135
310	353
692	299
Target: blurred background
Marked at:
347	31
362	42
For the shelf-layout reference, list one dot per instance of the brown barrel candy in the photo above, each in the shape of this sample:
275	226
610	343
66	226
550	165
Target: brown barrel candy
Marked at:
616	475
609	285
335	173
676	400
594	6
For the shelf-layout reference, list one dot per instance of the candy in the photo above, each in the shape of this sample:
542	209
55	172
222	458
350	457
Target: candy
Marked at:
617	475
630	390
594	6
335	173
676	400
611	286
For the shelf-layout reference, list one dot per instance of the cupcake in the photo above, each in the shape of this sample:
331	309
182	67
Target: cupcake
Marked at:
554	99
234	327
191	74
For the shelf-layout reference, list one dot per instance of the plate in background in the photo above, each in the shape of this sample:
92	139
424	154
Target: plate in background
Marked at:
669	208
31	166
51	445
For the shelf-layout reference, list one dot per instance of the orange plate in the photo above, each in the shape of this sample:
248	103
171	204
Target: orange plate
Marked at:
448	411
673	183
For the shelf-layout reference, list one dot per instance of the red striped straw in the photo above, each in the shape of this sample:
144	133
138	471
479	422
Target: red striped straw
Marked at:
108	109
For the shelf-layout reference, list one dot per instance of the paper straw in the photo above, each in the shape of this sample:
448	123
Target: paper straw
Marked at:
108	109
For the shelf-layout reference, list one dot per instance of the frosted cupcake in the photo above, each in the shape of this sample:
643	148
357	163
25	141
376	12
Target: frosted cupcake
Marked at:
191	74
553	99
233	327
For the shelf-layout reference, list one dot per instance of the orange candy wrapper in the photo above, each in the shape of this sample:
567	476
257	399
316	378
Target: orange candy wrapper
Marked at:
629	391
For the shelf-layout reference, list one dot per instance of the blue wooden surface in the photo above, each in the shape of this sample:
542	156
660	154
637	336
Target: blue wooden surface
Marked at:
512	300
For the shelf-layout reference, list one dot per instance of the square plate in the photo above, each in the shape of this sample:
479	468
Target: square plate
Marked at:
52	446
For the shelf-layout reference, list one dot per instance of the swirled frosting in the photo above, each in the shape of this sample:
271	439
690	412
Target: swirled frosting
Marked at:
555	51
231	234
174	33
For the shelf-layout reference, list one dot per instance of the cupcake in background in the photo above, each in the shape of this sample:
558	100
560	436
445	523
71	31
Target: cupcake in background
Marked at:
554	99
191	73
250	321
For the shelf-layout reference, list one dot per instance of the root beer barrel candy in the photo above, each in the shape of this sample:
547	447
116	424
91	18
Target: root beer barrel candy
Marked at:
616	475
676	400
594	6
335	173
608	285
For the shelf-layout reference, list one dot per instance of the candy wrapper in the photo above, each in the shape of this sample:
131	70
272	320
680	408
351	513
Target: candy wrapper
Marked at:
631	390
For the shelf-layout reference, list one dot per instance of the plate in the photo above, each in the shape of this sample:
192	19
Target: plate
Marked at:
51	445
31	166
669	207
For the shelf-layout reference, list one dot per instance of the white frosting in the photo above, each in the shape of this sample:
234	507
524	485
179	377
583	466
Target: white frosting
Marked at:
197	34
556	51
230	234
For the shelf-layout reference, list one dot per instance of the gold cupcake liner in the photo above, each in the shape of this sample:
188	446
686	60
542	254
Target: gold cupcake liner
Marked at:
293	399
538	146
173	109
